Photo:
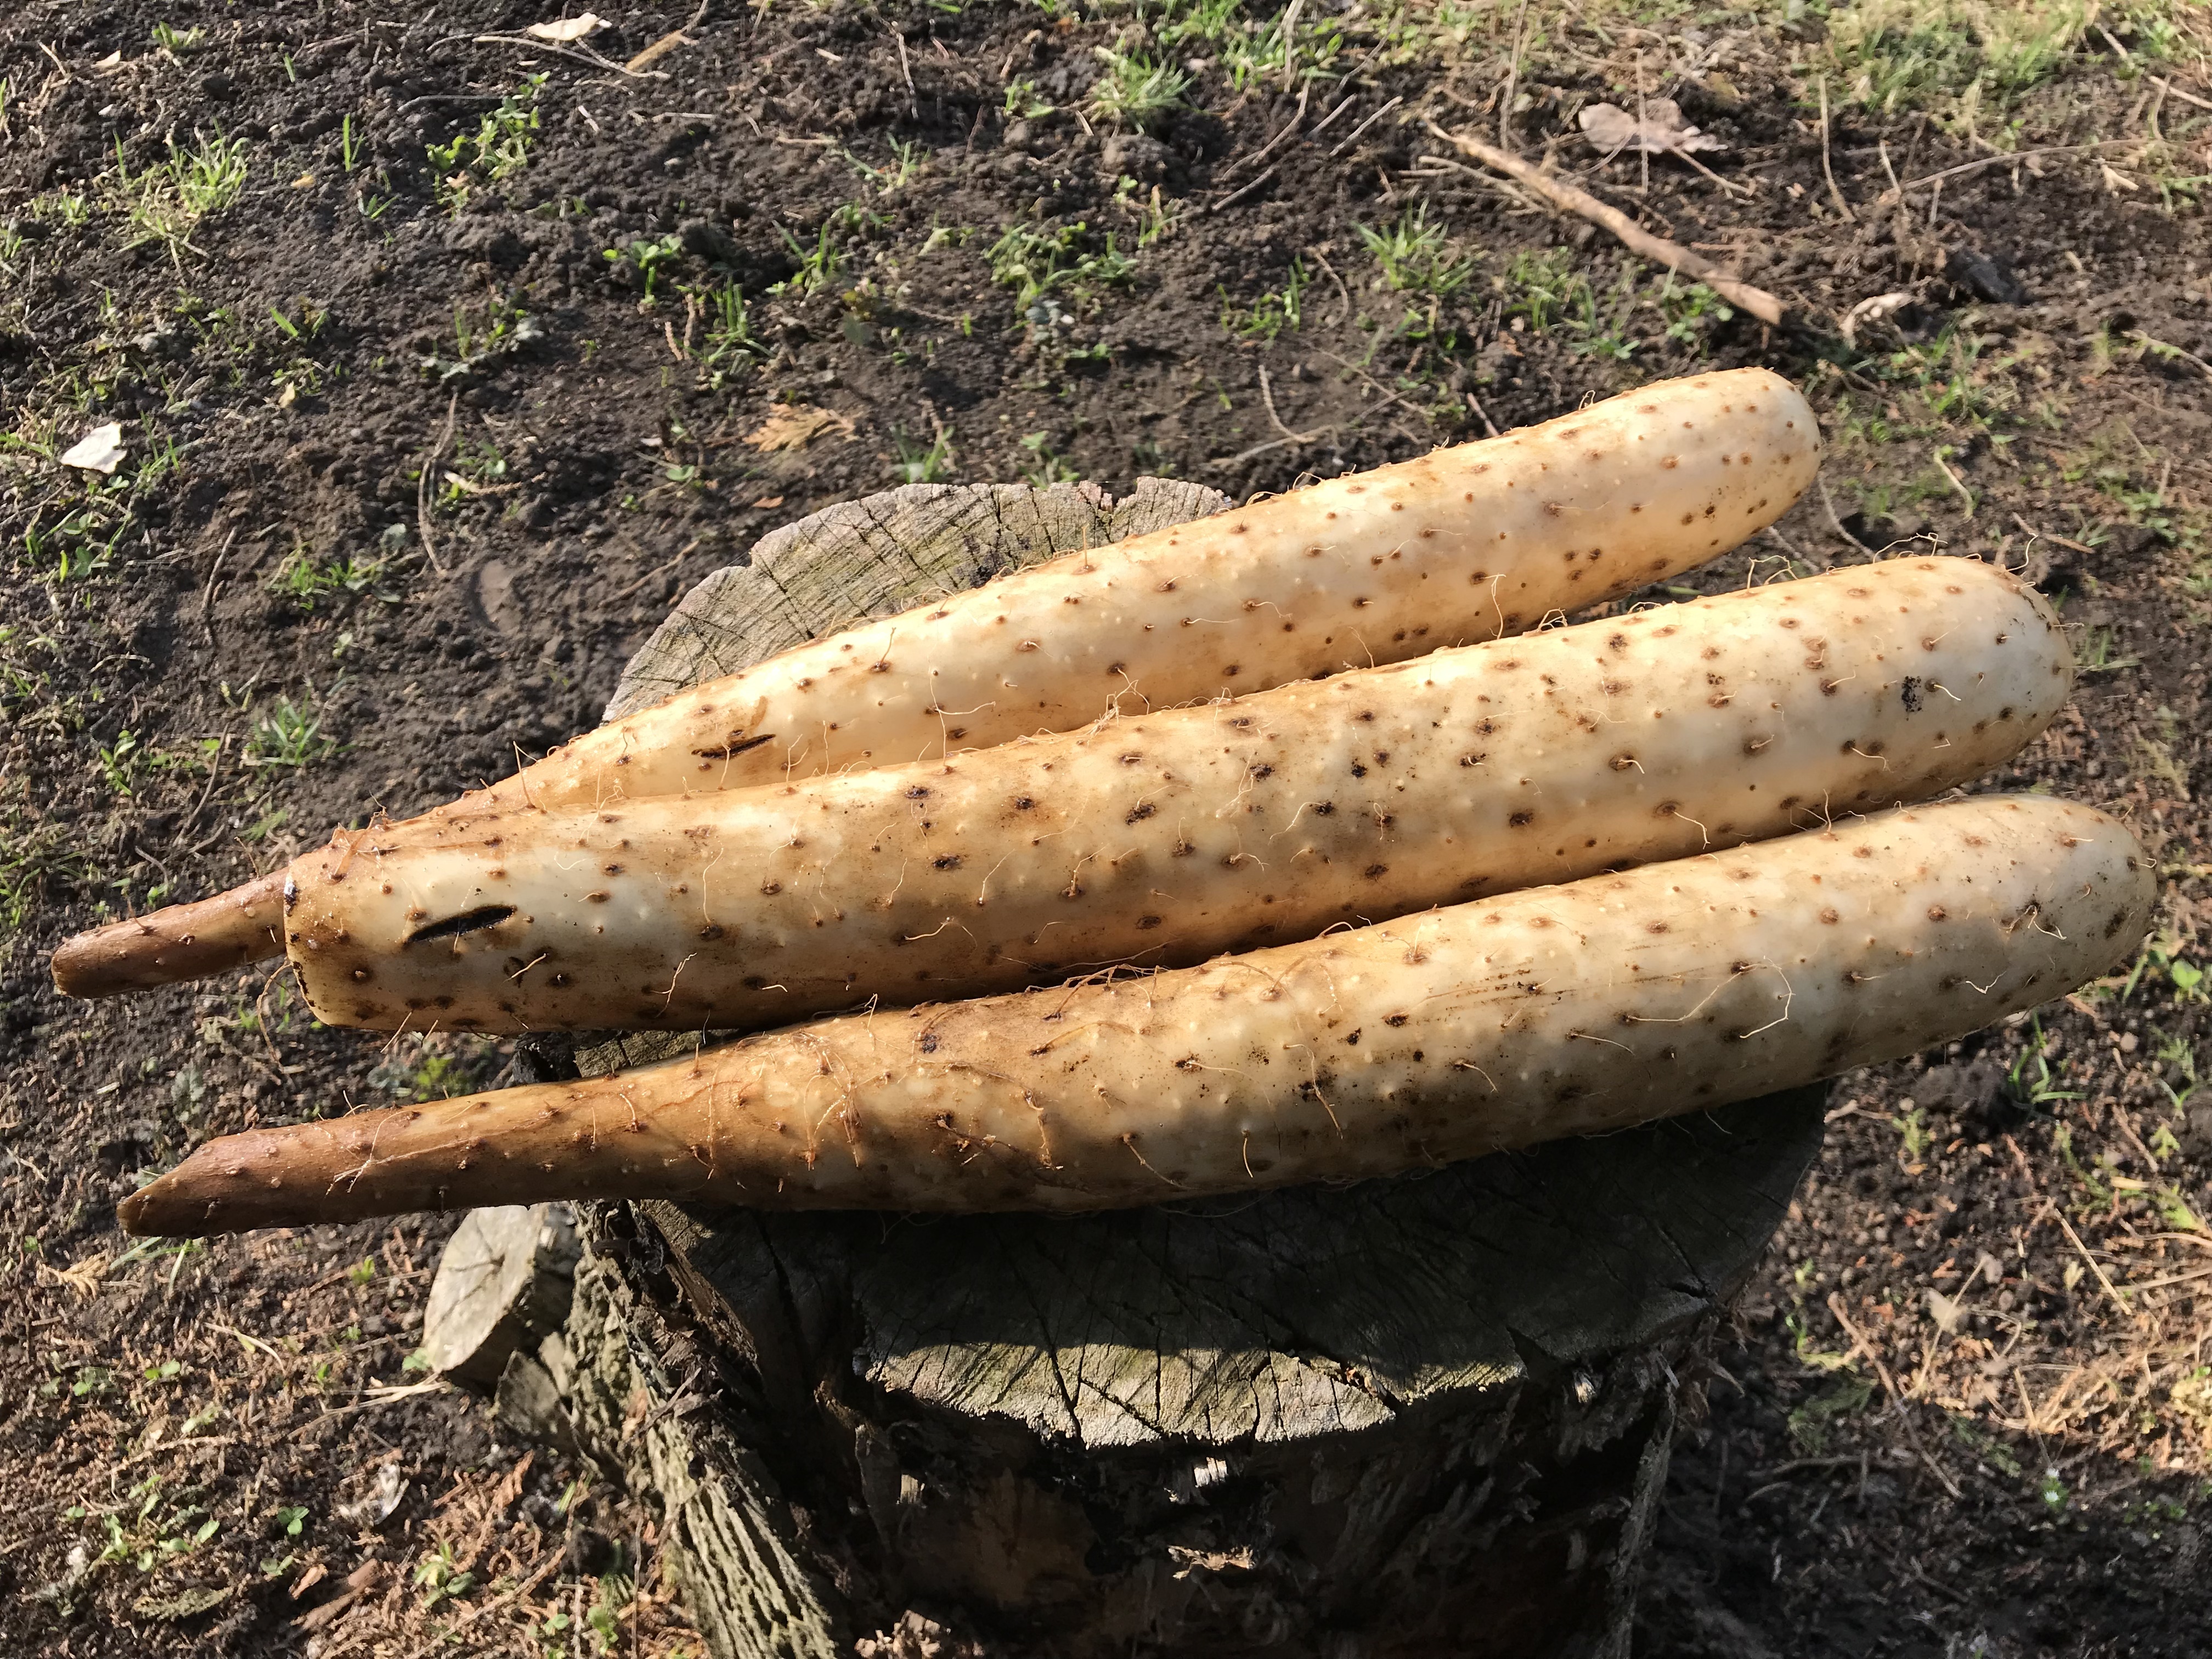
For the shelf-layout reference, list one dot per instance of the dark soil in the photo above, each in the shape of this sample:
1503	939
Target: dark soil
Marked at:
418	454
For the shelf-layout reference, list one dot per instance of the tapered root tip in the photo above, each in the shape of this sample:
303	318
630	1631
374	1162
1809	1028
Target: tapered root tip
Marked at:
140	1218
170	946
209	1194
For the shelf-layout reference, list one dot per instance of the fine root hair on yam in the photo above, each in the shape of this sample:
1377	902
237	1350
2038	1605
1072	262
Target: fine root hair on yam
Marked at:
1158	840
1463	545
1553	1012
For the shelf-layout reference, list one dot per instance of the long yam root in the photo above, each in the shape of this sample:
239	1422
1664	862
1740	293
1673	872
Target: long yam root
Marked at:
1161	840
180	942
1463	545
1552	1012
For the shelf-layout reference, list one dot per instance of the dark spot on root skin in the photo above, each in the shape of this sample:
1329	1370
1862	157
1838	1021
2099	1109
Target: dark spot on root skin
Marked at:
468	922
731	749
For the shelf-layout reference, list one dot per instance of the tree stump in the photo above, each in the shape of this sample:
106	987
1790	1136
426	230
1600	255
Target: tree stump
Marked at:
1410	1417
504	1281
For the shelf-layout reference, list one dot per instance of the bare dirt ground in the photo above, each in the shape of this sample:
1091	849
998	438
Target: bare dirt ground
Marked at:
444	357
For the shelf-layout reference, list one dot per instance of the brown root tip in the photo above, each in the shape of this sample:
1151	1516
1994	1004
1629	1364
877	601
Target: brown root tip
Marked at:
182	942
140	1219
204	1195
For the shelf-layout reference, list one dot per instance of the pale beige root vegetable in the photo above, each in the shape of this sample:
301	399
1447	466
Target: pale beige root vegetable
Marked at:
1552	1011
1162	839
1463	545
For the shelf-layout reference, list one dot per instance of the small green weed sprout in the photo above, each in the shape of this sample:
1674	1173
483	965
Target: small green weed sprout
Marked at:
498	148
168	202
290	733
2099	654
617	1591
919	465
482	336
1258	55
1022	101
157	1533
440	1578
309	582
729	325
1690	312
82	541
1541	289
816	266
1036	262
1912	1132
478	468
2031	1079
436	1066
1136	91
309	324
730	345
1811	1424
67	208
38	857
653	259
119	763
1416	255
1269	315
1156	218
126	763
903	168
177	42
1986	1446
1045	468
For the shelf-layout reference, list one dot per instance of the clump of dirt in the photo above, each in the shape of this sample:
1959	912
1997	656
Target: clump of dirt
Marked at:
445	356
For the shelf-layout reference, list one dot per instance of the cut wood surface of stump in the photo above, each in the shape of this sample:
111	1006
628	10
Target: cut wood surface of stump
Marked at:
1423	1416
504	1281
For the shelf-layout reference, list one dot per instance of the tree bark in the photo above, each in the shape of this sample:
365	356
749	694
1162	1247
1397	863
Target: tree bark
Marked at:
1403	1417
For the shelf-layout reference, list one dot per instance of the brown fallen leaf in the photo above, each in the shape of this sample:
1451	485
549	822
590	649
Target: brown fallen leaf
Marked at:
566	29
794	426
1662	128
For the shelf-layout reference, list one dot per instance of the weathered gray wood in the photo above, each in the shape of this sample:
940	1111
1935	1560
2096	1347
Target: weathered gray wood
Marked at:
1410	1417
503	1283
880	555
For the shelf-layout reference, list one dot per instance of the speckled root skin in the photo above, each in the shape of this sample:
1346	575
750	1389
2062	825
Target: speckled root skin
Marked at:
1463	545
1161	839
1552	1011
177	943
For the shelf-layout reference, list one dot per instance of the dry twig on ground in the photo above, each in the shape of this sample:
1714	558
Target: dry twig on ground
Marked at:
1673	255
